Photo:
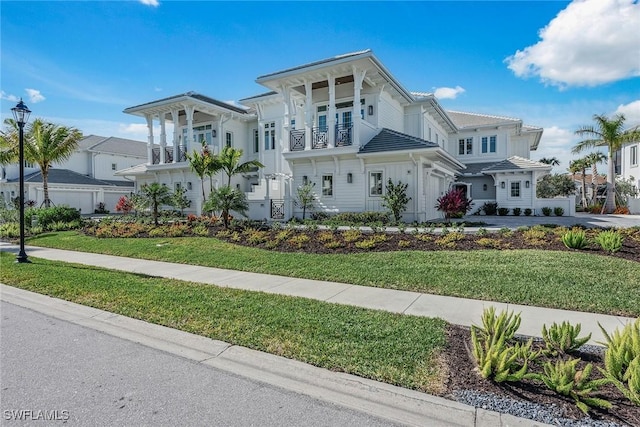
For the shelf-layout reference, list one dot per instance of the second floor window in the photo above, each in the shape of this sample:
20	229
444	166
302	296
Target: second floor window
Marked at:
489	144
465	146
256	141
633	154
270	136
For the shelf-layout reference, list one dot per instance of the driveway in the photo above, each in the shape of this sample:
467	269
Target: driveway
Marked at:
580	218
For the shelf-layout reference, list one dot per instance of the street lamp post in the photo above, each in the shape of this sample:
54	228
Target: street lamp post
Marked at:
21	115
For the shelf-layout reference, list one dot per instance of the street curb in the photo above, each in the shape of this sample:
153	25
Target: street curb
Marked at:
386	401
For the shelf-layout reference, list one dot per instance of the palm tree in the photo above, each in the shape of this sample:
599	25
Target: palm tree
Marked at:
200	165
553	161
45	143
581	166
592	160
229	162
154	196
607	132
226	199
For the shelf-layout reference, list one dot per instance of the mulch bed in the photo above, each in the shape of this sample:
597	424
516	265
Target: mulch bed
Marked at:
465	377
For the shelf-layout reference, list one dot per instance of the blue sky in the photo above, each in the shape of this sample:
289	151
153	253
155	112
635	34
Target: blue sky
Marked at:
553	64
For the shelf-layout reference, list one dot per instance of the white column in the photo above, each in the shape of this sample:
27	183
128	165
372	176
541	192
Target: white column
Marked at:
358	78
163	138
331	120
189	110
308	117
287	118
176	132
149	119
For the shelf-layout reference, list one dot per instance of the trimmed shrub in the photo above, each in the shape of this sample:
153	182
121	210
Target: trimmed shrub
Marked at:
558	211
490	208
503	211
517	211
528	212
546	211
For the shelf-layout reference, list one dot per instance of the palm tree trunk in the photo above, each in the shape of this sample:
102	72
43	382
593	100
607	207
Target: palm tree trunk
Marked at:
594	183
610	205
584	190
45	187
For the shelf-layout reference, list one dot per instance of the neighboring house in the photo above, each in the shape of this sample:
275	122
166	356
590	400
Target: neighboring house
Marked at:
601	184
628	161
348	126
85	180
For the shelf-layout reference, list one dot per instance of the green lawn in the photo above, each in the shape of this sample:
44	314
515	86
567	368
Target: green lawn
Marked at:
558	279
393	348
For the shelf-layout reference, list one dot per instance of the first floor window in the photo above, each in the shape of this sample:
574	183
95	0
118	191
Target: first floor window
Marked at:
178	186
375	183
634	155
293	124
515	189
114	166
229	139
327	185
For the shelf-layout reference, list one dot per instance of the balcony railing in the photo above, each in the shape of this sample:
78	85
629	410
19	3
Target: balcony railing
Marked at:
320	138
296	140
344	134
168	155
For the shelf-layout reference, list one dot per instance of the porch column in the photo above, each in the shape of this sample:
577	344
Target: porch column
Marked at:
286	126
331	120
358	78
149	119
189	110
308	117
176	129
163	138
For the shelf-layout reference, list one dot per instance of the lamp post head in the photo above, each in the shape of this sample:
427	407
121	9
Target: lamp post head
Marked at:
21	113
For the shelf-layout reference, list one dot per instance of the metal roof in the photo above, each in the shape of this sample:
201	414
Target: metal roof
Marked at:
316	63
465	120
114	145
192	95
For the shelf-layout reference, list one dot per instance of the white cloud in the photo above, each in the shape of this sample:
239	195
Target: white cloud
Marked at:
591	42
8	97
35	95
448	92
556	142
154	3
631	113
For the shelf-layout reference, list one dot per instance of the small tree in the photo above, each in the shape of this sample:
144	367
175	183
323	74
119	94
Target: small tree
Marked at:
155	195
395	199
555	185
180	199
226	199
453	203
625	188
305	198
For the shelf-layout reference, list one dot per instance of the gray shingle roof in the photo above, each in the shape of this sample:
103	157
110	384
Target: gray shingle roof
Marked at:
66	176
464	120
89	141
516	163
272	92
193	95
390	140
476	168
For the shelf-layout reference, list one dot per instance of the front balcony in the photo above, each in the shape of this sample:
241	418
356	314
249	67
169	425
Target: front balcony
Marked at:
168	155
320	137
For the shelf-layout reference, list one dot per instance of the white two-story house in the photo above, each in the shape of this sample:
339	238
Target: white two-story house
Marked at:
629	161
346	125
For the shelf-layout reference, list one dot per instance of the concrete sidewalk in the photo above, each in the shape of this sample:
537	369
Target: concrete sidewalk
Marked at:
459	311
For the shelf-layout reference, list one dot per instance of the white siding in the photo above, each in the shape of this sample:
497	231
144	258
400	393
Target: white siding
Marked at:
391	113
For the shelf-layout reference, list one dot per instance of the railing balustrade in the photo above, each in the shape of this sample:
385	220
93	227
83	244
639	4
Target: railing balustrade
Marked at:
320	138
344	134
296	140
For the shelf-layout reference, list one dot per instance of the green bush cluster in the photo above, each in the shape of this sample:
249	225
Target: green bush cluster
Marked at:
609	240
622	360
575	239
51	215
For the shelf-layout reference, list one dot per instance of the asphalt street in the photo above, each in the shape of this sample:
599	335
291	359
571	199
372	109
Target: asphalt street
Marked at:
72	375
